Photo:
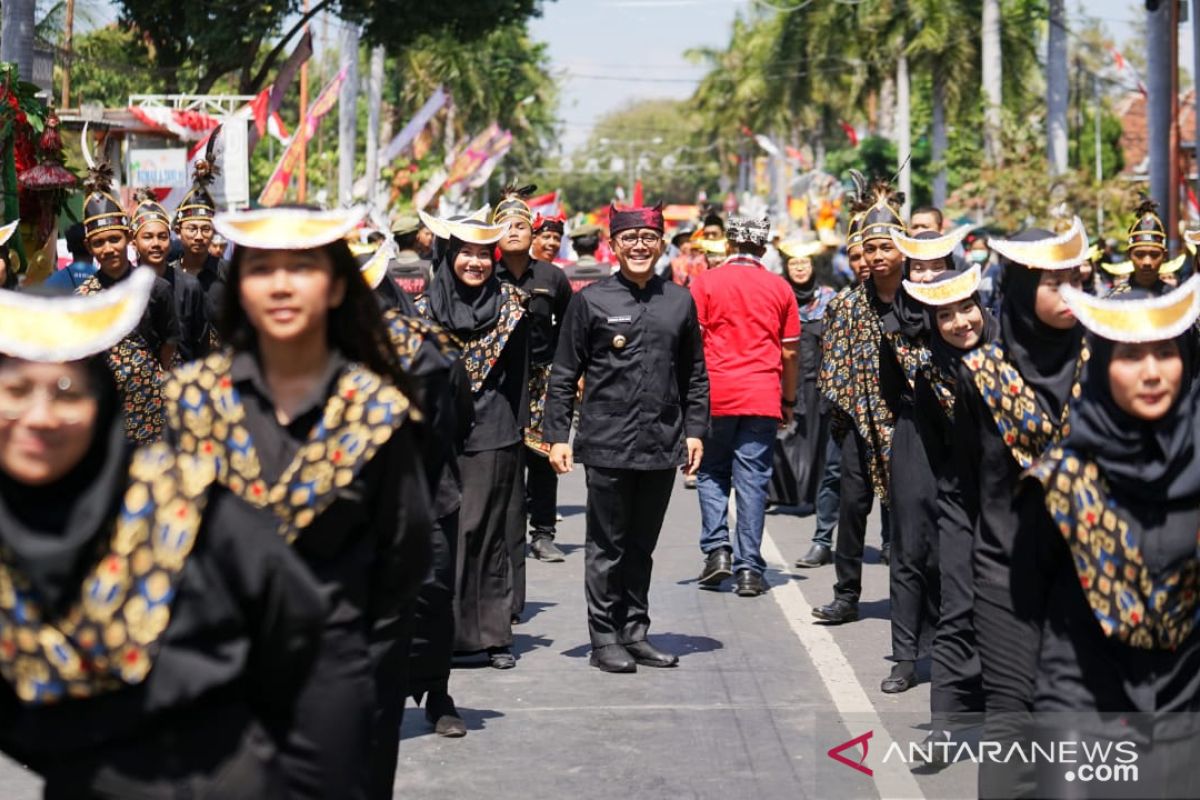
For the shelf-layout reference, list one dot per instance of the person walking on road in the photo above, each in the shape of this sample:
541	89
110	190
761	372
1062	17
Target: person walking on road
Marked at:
751	330
635	340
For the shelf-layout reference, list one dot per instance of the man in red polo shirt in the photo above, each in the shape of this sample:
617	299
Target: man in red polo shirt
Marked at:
751	330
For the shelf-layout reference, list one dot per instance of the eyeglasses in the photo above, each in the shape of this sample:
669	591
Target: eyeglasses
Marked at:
631	239
68	403
196	230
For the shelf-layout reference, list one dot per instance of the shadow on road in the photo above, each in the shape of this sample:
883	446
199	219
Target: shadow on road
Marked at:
680	644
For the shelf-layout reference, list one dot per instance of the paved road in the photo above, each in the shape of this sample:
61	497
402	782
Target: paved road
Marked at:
760	695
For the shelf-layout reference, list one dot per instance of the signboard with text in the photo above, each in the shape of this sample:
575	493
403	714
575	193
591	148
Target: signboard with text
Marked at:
165	167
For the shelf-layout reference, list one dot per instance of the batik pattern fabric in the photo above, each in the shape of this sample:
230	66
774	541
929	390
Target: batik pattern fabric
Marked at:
815	309
943	385
109	637
205	411
912	355
850	379
1024	428
1131	604
539	385
481	352
409	333
139	379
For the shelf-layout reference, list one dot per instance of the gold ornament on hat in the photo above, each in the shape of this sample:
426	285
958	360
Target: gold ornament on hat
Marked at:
287	228
375	269
58	329
945	292
930	249
469	229
1149	319
1065	251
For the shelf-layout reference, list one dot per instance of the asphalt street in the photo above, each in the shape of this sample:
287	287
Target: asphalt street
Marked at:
761	693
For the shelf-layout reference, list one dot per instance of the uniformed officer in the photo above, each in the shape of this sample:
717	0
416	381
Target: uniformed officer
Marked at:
408	269
635	340
586	269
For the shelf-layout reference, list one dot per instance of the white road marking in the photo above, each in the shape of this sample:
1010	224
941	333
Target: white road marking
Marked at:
892	780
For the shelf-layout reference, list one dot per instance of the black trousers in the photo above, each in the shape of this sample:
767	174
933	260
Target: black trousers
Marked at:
914	583
855	505
541	494
433	618
625	511
1008	690
956	685
390	656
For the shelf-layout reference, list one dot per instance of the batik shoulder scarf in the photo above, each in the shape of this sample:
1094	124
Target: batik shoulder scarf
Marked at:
849	377
408	334
107	637
139	379
205	412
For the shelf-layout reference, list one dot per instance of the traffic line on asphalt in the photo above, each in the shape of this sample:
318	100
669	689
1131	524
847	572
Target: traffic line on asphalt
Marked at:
892	780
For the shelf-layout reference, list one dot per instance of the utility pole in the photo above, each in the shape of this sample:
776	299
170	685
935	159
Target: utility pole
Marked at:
1099	160
68	38
904	131
1173	176
374	104
1158	105
16	35
348	118
302	171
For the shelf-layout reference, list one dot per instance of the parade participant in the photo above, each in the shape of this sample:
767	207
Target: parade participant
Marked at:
409	269
925	218
376	268
585	270
216	248
958	323
547	237
151	239
1111	595
713	226
8	276
138	360
194	225
690	260
635	341
487	315
81	267
751	330
549	293
157	630
1146	246
307	415
914	585
854	372
714	250
799	456
1012	402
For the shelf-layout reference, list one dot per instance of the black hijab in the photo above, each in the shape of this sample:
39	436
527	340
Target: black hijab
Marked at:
946	356
52	530
1154	462
1046	357
805	292
465	311
908	313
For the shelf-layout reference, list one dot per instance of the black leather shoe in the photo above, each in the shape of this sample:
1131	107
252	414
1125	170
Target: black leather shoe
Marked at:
837	612
885	554
817	556
903	678
613	658
502	658
750	583
443	716
647	655
544	549
718	565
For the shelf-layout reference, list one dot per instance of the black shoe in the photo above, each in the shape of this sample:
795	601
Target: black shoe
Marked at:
647	655
750	583
817	556
515	619
885	554
501	658
718	565
837	612
903	678
612	658
936	744
544	549
443	716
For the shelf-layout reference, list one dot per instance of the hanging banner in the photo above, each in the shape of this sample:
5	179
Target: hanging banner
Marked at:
276	188
415	125
487	147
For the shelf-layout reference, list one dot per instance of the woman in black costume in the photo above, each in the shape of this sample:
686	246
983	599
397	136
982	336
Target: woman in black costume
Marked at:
308	416
1105	561
154	631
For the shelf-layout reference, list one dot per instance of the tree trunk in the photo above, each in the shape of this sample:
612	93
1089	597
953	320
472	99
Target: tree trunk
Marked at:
937	139
16	37
374	102
904	131
992	80
1057	89
887	110
348	118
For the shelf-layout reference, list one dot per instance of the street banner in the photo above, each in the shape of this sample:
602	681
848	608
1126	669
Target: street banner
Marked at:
273	192
414	127
266	106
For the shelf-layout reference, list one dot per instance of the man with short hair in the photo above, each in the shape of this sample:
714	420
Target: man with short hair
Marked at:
81	267
586	269
408	270
635	341
751	328
547	237
193	224
925	218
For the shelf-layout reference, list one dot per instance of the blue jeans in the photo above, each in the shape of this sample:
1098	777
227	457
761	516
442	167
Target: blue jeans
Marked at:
737	454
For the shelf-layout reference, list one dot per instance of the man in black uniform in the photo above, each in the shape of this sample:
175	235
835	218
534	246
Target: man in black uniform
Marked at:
586	269
408	269
549	293
635	340
193	223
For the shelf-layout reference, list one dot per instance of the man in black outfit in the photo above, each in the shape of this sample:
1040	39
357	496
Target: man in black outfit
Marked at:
635	340
549	293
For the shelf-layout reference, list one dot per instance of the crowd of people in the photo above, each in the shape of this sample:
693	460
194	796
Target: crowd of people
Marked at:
255	497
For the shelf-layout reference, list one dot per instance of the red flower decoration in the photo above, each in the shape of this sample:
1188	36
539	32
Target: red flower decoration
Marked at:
12	101
21	118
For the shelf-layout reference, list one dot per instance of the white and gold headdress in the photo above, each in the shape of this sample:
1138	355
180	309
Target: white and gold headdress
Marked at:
1149	319
949	290
468	229
930	248
1064	251
287	228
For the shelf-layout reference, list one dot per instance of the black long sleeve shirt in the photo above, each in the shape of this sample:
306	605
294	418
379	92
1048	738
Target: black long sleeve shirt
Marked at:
641	355
191	306
549	294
